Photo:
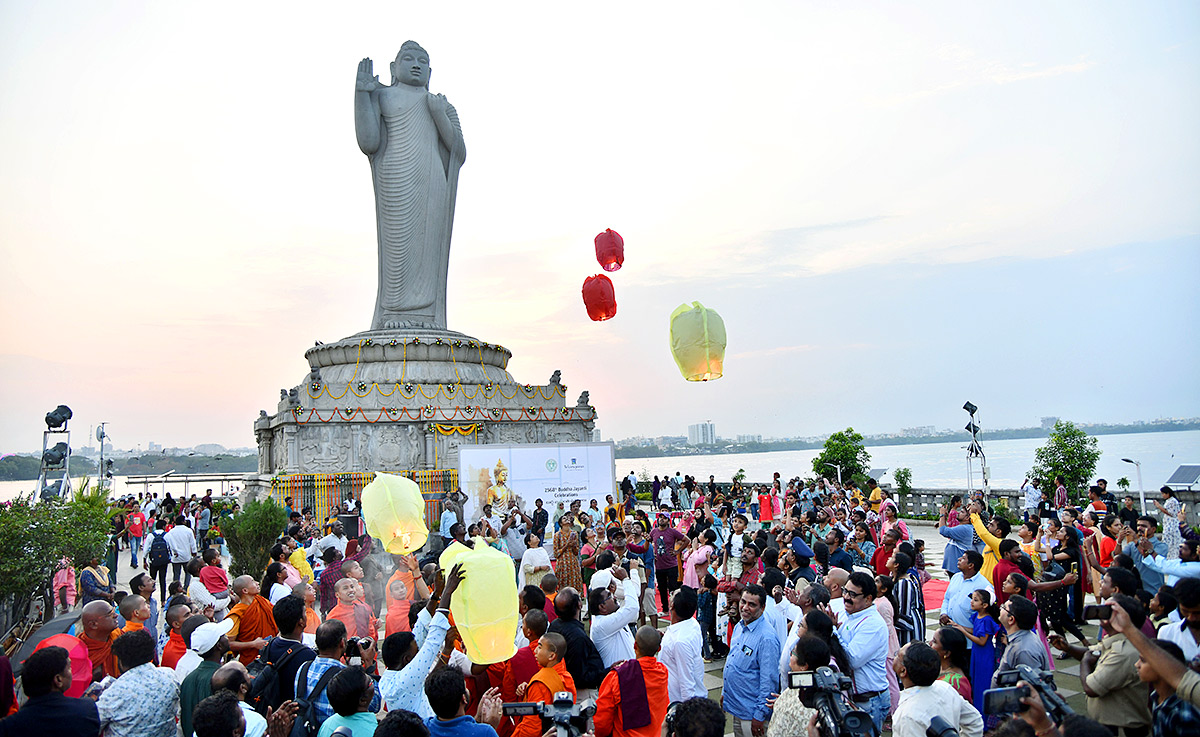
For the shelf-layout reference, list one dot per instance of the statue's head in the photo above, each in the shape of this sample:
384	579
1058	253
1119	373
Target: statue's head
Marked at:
411	66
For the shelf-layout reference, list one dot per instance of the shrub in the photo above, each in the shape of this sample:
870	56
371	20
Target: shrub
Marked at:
251	534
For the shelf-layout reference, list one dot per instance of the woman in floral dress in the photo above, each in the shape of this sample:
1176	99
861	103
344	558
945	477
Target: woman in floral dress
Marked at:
566	555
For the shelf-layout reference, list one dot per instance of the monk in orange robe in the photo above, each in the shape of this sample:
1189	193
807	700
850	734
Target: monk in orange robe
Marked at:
175	647
360	621
99	622
549	680
253	620
307	594
136	611
633	696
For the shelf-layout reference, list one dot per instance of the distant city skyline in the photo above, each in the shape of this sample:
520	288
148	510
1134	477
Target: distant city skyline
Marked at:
894	208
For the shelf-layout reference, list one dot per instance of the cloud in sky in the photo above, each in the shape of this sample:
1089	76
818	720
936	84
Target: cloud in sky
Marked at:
891	207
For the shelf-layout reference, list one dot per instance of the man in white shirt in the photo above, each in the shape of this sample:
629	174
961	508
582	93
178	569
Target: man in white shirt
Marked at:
335	539
917	667
610	621
1033	497
182	543
492	519
864	636
1185	634
681	649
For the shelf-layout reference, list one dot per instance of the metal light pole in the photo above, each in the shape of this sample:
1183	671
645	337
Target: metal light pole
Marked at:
101	436
839	470
1141	490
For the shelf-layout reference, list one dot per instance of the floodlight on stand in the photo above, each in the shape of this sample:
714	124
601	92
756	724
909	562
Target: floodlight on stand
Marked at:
972	428
52	490
970	408
55	457
58	417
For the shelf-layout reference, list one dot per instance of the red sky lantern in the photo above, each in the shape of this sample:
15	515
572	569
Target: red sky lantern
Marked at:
599	297
610	250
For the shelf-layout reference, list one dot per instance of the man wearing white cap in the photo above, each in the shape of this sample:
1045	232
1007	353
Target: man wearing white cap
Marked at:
210	641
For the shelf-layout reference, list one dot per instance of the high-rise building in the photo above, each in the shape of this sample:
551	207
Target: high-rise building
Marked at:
749	438
702	433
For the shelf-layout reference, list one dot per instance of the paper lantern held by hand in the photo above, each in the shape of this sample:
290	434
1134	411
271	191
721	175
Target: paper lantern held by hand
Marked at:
484	605
599	297
698	342
394	512
610	250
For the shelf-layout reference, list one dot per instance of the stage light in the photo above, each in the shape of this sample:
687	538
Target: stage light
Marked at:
52	490
58	417
970	408
55	457
972	428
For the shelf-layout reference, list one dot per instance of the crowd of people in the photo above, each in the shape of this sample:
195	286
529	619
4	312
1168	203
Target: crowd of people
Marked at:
622	605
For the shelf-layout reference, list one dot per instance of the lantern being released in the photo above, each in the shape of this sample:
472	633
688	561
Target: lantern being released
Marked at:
394	512
610	250
484	606
698	342
599	297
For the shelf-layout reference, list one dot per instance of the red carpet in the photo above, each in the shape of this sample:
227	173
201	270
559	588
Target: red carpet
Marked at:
935	591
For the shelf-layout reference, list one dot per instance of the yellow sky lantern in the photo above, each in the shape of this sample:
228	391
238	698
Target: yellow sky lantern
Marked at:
394	512
698	342
485	604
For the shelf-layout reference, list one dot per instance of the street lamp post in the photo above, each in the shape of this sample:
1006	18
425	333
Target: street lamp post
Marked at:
839	470
1141	489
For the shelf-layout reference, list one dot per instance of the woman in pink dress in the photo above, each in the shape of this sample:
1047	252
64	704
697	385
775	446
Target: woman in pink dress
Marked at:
64	586
885	604
696	561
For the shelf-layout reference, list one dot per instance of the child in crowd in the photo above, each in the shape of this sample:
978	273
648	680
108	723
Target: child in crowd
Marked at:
200	595
731	567
984	625
551	678
1179	717
919	561
135	610
214	577
175	588
309	595
706	615
1162	606
549	586
952	516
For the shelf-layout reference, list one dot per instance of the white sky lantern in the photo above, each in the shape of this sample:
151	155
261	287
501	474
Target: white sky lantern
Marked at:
698	342
484	605
394	512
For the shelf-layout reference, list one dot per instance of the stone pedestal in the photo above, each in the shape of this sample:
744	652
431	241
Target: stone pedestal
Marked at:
406	400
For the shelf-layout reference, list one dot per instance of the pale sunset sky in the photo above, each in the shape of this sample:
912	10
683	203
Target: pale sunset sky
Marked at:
895	207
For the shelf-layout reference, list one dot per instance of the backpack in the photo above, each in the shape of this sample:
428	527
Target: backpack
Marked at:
159	553
264	689
308	723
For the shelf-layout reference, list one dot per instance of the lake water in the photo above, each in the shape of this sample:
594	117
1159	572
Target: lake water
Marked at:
934	465
944	465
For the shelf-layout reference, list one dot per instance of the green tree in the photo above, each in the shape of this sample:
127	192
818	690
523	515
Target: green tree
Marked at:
844	450
903	478
1069	452
251	534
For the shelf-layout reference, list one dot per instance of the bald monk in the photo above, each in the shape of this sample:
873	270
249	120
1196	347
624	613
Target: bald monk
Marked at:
175	647
253	620
99	630
308	595
551	678
136	612
352	611
633	696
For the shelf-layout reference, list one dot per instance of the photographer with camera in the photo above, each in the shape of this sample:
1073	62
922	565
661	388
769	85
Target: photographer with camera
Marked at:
1116	697
917	667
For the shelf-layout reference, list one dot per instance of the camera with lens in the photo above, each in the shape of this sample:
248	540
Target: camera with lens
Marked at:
355	646
826	691
568	718
1006	699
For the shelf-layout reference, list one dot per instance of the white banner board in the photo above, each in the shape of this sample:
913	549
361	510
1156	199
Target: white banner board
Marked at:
552	472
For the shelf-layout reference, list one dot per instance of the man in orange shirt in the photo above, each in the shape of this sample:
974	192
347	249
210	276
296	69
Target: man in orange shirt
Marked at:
253	620
549	680
175	647
633	696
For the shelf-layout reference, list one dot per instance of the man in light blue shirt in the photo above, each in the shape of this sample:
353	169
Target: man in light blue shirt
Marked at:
752	668
1152	580
1033	497
447	521
956	604
1187	566
961	539
864	636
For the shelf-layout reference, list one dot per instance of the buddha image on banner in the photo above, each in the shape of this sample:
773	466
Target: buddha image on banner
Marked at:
519	475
